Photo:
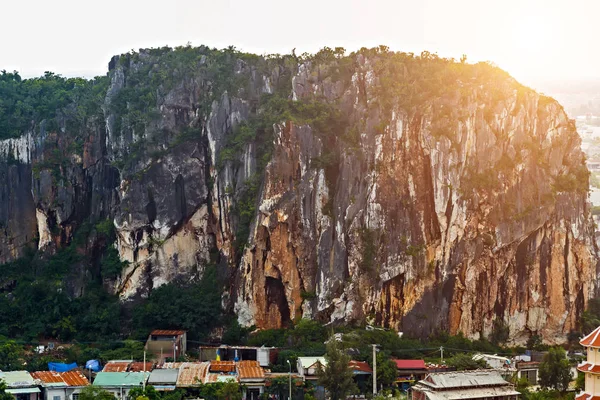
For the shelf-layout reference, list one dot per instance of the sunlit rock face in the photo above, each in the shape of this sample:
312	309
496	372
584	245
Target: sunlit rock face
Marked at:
422	194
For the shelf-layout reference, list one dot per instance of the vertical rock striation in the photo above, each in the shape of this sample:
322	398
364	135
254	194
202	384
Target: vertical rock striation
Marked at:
415	193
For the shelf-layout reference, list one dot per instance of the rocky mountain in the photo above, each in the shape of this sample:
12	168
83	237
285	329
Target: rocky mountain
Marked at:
412	192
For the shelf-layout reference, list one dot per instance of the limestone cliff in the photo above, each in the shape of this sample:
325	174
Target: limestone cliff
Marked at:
416	193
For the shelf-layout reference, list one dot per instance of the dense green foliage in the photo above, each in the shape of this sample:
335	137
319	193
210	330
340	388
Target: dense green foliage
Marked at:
24	103
3	394
464	362
95	393
590	319
555	370
195	307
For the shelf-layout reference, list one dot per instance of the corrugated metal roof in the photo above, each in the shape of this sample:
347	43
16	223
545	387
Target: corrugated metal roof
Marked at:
17	378
163	376
120	378
23	390
410	364
116	366
481	356
222	366
475	393
139	366
52	378
192	374
249	369
167	332
464	379
170	365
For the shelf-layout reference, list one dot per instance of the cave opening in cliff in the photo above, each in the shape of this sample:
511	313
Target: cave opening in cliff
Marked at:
276	298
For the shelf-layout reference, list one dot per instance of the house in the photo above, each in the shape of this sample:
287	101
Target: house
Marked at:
494	361
264	355
362	374
409	372
307	367
165	343
61	385
252	376
591	367
163	379
21	385
479	384
528	370
120	383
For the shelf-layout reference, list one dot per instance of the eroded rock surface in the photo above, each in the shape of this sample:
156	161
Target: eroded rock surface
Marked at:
435	195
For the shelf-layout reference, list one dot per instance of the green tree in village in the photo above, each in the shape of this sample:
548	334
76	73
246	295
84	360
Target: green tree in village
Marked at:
555	370
3	394
463	362
140	394
229	391
336	377
386	370
95	393
10	356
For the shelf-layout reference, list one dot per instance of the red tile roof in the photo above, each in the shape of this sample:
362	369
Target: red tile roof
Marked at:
587	367
592	340
70	378
360	366
586	396
167	332
410	364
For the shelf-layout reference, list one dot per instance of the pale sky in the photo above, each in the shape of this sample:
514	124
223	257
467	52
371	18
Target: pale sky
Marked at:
531	39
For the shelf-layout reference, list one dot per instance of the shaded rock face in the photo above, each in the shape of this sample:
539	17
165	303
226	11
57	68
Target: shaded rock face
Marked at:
460	210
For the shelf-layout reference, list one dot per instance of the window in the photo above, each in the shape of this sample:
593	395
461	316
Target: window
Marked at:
55	397
75	396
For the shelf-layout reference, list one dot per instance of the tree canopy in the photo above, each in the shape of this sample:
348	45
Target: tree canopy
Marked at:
336	377
555	370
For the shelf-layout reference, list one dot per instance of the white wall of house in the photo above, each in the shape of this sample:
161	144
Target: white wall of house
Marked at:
61	393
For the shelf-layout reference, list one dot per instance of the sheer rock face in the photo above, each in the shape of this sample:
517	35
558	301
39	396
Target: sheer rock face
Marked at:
450	214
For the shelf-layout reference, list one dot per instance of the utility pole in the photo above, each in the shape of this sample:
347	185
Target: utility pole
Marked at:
374	369
442	354
174	349
290	376
144	379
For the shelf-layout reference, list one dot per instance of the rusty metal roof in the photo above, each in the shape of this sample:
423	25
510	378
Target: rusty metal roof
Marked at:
191	374
222	366
170	365
138	366
167	332
250	369
116	366
70	378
